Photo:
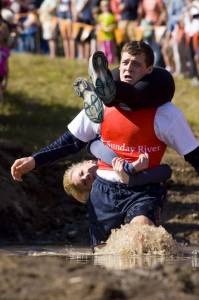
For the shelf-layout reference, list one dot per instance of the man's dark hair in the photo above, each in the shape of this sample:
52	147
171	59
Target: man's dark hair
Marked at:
139	47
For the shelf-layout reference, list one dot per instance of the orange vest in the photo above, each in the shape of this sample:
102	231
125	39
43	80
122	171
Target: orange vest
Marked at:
130	133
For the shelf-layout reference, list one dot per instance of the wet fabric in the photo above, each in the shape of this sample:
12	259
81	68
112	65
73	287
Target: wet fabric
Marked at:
112	204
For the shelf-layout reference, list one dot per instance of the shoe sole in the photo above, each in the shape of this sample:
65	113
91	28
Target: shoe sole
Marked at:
80	86
93	106
101	77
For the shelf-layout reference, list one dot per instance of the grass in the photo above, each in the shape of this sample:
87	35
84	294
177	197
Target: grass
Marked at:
187	99
40	102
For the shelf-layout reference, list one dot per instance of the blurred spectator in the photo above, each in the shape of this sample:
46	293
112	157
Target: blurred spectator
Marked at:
7	39
191	21
93	42
116	8
106	24
15	6
170	49
19	6
153	11
37	3
126	13
180	48
7	16
28	39
152	15
47	16
64	14
4	55
195	24
82	26
129	18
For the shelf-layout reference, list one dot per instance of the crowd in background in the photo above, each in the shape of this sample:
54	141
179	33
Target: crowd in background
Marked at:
77	28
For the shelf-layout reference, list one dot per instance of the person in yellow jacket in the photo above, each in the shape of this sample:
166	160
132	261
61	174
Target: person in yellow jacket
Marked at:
106	24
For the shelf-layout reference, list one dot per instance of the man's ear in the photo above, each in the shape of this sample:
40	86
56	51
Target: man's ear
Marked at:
149	69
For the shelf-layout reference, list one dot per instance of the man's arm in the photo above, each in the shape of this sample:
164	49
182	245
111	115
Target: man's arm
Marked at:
152	90
81	131
65	145
172	128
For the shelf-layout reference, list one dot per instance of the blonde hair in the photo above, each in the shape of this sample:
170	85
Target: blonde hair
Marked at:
70	188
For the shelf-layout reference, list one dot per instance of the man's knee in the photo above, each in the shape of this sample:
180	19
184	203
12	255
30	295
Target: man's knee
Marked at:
142	220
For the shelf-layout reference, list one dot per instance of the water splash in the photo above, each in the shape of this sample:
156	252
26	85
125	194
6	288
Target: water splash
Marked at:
135	239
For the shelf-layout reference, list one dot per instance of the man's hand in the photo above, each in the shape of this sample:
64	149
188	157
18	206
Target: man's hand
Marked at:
22	166
141	163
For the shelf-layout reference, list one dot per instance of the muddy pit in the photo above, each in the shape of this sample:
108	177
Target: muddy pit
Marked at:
42	230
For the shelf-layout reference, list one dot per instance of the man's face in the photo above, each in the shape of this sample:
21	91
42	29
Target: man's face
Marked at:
133	67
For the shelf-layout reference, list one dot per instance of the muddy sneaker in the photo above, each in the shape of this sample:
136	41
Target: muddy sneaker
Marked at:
93	106
101	77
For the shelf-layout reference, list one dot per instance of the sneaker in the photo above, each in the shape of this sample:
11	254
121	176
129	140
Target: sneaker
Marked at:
93	106
101	77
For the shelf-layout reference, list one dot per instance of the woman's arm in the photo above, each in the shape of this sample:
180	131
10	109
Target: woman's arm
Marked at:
152	90
158	174
127	170
101	151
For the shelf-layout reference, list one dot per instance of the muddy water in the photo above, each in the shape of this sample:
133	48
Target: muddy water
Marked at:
188	256
131	246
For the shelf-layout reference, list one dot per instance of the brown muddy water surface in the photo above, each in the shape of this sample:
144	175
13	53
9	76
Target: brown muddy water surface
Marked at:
65	273
189	256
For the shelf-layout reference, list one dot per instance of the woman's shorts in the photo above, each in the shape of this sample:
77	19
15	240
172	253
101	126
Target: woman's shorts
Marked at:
113	204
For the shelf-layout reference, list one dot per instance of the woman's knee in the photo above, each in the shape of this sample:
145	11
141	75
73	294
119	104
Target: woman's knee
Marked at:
142	220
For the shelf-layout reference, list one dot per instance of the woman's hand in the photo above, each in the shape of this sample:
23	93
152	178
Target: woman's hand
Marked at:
117	164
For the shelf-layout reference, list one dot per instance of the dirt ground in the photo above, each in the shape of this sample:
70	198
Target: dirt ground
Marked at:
49	278
38	212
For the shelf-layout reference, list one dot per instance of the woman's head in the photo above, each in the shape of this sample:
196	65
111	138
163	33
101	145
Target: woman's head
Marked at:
78	179
104	6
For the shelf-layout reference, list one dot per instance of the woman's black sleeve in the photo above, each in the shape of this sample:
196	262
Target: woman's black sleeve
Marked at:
160	173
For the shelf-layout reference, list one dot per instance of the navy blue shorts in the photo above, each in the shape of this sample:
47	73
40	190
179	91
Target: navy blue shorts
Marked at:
112	204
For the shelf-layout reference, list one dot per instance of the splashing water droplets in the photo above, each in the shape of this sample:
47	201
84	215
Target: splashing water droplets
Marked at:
136	239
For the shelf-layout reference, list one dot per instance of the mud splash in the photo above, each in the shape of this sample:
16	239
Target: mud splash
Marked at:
133	239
